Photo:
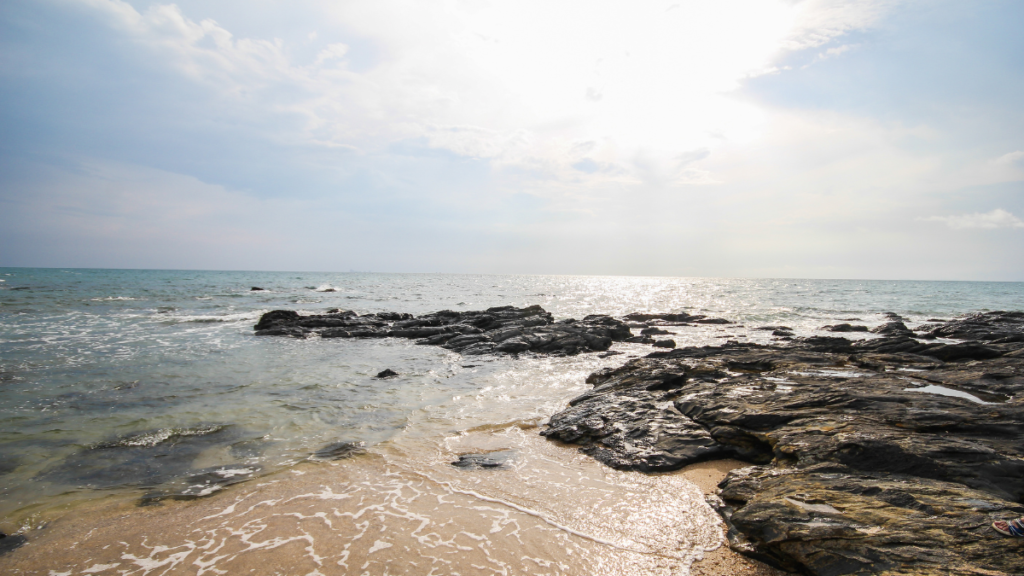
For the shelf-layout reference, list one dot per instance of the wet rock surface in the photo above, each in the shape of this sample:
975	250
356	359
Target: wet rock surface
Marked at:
11	542
500	330
881	456
489	460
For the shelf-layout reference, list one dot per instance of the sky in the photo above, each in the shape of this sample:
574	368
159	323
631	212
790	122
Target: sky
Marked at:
738	138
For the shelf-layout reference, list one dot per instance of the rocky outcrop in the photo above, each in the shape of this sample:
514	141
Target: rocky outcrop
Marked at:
880	456
501	330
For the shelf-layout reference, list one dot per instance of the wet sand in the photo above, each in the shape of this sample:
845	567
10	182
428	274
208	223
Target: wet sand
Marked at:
403	509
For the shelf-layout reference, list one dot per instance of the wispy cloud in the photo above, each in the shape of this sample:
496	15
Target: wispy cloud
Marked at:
997	218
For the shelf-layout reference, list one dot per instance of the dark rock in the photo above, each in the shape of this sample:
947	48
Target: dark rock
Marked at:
256	289
774	328
713	321
782	333
881	456
988	326
144	459
652	330
499	459
645	317
609	353
845	328
339	451
276	318
664	343
504	330
387	373
202	483
640	340
894	328
9	542
831	520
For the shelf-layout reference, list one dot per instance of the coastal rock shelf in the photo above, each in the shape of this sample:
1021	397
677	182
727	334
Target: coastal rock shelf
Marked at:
504	329
881	456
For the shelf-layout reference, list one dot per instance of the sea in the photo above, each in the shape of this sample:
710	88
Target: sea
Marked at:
117	384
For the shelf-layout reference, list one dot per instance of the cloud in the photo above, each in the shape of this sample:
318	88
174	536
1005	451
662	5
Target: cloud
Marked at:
1013	159
997	218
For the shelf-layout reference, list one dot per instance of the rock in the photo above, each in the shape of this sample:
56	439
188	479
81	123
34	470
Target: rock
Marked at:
987	326
664	343
645	317
652	330
9	542
499	459
640	340
832	520
202	483
894	328
339	451
256	289
880	456
774	328
609	353
845	328
386	373
713	321
504	330
782	333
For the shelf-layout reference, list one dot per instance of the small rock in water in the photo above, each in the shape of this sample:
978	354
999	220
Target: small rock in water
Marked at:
489	460
339	450
256	289
608	353
203	483
665	344
10	542
845	328
653	330
388	373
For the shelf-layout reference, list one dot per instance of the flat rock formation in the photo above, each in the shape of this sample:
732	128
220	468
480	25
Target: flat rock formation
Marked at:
503	330
882	456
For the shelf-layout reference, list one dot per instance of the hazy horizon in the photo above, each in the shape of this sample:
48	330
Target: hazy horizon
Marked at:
866	140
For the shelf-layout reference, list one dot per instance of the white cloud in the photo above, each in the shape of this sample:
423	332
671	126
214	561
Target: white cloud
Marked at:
997	218
497	82
1013	159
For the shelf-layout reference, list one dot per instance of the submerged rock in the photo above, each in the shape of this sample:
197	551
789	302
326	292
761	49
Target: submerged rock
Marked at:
202	483
499	459
845	328
386	373
9	542
882	456
339	451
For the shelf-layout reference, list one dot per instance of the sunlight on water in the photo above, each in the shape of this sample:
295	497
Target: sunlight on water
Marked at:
118	383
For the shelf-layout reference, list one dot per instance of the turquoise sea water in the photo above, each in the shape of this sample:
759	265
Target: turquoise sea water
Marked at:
121	380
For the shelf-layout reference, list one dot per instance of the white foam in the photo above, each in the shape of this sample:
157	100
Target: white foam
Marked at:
379	545
943	391
96	568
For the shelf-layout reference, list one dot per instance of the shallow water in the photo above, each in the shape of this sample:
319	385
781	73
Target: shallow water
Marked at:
115	383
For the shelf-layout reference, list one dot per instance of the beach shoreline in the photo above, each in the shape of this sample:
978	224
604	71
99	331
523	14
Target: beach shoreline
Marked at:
593	520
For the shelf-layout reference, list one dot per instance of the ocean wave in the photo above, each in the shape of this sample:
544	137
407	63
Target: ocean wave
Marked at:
213	319
326	288
112	298
152	438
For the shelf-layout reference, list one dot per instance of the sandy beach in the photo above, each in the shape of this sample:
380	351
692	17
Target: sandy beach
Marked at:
405	509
